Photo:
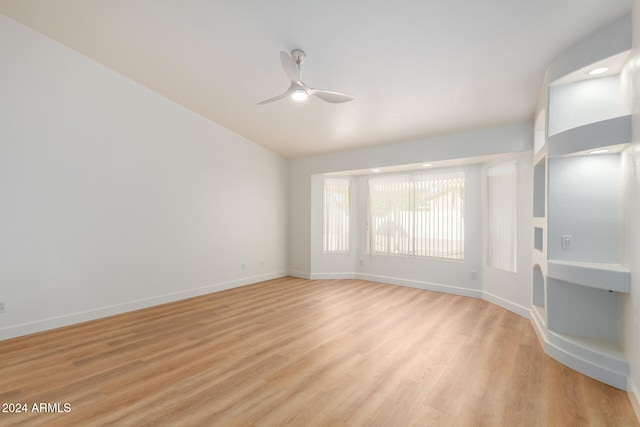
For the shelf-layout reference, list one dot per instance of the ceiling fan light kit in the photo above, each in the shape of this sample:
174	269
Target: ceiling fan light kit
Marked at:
299	95
298	90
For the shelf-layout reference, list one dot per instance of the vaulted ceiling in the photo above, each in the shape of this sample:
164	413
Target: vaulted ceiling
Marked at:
418	68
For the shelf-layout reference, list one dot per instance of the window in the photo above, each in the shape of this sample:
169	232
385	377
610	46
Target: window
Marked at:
502	215
418	215
335	234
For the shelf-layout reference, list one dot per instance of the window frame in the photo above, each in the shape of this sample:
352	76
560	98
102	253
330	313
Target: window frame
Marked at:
419	186
341	244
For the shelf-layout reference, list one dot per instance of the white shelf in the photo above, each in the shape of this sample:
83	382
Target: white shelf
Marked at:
541	155
599	359
592	136
610	277
608	349
538	258
540	222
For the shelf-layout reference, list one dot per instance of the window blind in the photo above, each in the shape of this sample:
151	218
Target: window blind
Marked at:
418	215
502	216
336	235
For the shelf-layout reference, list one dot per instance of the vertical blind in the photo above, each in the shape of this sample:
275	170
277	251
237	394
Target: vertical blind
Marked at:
418	214
335	234
502	216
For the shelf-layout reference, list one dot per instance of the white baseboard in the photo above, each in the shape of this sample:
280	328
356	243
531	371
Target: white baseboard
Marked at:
475	293
332	276
507	305
604	366
84	316
605	372
634	396
494	299
299	274
539	326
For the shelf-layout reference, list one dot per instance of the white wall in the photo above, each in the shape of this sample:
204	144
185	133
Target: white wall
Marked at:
332	265
584	203
507	289
305	252
630	325
299	226
114	198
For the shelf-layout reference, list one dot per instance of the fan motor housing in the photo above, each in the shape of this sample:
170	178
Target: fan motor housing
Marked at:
298	55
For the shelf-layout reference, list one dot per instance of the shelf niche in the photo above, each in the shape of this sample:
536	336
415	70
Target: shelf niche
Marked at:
577	104
579	310
539	180
538	236
538	286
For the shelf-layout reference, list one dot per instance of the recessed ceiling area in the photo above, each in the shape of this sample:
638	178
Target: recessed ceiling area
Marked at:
425	166
417	68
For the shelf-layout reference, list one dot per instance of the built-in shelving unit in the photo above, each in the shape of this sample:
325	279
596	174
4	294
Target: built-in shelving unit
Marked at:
539	219
582	124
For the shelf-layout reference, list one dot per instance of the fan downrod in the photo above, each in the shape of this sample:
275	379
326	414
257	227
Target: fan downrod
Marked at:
298	56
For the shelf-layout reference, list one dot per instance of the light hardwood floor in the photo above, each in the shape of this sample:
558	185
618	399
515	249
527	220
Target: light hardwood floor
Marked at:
299	352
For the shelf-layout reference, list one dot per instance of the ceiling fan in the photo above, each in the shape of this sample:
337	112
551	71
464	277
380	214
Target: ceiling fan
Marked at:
298	90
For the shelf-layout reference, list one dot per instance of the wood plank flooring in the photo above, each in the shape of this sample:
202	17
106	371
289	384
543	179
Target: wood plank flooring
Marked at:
304	353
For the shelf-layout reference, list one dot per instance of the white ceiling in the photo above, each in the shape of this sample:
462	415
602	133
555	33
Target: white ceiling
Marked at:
418	68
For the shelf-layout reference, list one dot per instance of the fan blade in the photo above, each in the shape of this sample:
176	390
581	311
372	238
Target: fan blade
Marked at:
330	96
275	98
290	68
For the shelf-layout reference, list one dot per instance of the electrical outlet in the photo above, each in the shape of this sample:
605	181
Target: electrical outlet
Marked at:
474	275
243	267
566	241
262	264
3	306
